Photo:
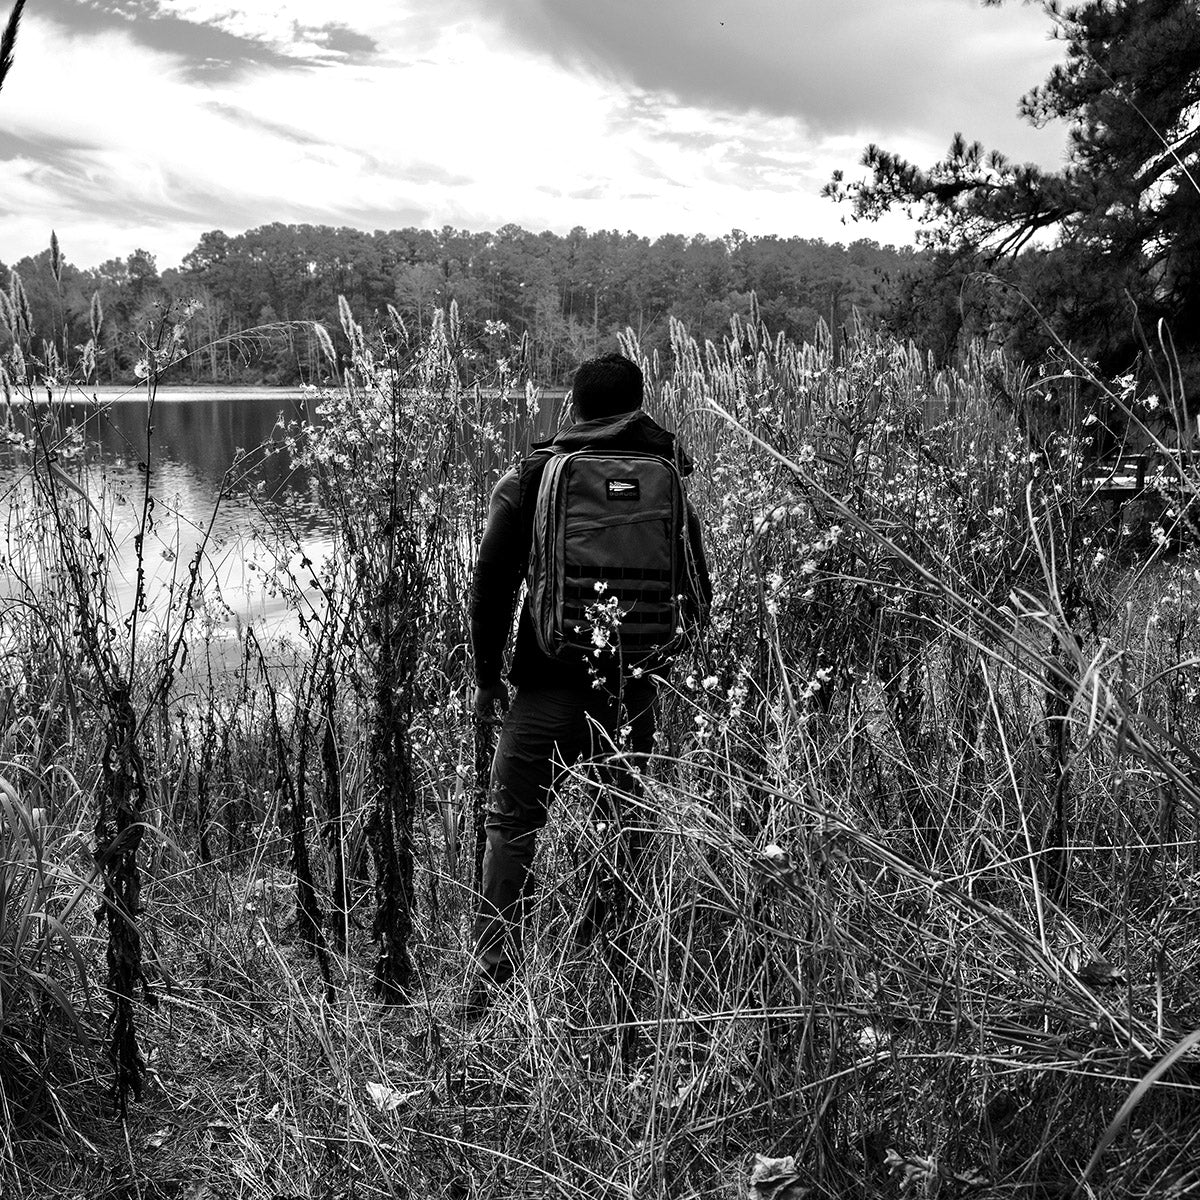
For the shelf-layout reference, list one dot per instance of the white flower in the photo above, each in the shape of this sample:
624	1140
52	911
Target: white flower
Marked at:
600	586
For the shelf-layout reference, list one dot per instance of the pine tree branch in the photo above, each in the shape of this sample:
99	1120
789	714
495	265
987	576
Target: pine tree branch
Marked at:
9	40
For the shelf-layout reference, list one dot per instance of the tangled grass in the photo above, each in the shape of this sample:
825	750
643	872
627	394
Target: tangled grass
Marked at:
918	911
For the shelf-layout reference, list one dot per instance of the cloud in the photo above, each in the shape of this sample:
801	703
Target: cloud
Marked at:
340	40
212	49
45	149
836	65
205	51
432	112
244	117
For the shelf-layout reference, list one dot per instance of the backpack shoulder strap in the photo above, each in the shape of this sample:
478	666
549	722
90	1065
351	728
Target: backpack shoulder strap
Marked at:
529	477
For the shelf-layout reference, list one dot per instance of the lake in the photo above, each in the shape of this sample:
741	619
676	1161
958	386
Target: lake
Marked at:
196	436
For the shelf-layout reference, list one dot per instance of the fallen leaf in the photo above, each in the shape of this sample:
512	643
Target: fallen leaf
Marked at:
388	1099
776	1179
1092	968
218	1131
157	1139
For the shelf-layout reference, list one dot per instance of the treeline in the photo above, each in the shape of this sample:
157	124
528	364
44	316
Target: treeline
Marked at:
567	294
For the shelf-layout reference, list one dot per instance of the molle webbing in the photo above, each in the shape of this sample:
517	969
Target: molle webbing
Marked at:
608	525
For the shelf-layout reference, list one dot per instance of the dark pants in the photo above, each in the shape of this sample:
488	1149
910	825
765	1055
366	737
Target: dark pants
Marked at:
545	731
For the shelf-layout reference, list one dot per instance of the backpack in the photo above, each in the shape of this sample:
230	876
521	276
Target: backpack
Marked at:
616	519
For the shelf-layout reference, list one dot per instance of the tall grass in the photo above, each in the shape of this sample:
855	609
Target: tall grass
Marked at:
917	912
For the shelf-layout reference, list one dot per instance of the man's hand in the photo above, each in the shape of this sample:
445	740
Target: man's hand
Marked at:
488	699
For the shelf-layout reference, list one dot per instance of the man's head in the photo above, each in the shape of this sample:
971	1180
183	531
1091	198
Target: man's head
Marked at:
605	387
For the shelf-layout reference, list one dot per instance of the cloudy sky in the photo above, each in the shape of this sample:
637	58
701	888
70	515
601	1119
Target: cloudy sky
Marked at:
143	123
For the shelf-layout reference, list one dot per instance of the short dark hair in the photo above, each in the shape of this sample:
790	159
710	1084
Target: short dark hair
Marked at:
604	387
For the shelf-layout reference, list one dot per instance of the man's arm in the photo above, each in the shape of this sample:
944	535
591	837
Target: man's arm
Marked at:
499	568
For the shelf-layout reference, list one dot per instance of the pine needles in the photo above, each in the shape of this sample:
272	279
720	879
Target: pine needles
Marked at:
8	40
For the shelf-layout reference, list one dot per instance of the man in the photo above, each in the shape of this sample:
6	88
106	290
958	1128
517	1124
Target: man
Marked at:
558	705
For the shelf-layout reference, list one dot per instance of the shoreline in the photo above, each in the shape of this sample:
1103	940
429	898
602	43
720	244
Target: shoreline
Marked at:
201	393
178	393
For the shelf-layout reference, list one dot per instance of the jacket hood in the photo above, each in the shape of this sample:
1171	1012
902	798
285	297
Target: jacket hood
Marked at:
635	430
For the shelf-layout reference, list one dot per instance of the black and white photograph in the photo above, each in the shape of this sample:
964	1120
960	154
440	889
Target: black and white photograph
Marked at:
599	599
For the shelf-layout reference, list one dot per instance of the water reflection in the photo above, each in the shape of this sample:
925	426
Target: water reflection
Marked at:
191	442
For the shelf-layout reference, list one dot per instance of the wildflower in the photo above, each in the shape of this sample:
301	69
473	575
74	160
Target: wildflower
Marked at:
600	586
709	682
1151	402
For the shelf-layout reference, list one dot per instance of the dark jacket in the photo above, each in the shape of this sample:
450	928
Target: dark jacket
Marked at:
504	554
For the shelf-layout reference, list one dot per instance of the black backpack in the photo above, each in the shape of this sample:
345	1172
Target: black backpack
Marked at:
609	558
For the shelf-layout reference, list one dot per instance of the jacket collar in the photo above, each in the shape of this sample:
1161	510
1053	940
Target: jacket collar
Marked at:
635	430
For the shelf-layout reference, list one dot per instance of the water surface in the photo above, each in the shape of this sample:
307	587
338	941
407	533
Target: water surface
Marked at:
190	440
